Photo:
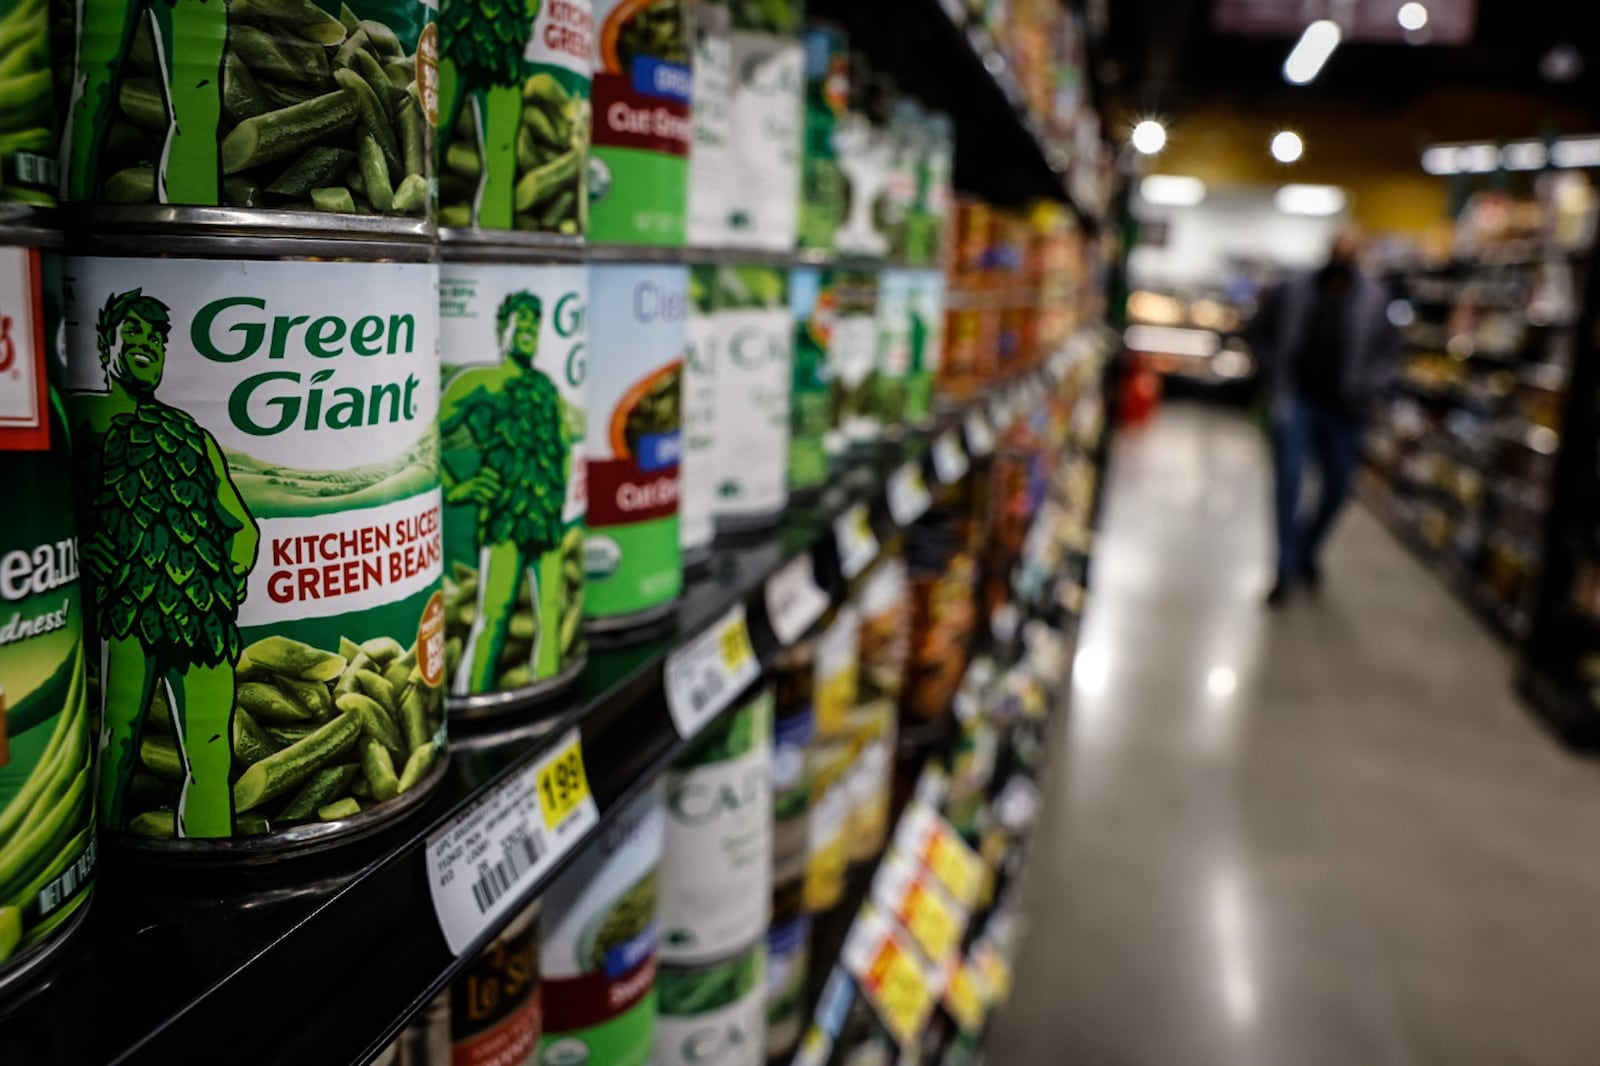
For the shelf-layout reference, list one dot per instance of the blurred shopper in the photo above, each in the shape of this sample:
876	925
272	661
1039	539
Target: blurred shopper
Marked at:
1327	351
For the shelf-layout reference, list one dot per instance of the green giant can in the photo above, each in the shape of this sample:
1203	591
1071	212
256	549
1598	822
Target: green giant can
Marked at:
639	168
632	557
282	105
513	340
853	364
513	137
811	304
258	467
28	149
893	365
827	98
47	845
927	343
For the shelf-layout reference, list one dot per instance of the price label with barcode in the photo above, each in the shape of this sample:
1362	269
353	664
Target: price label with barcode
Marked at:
949	459
794	602
909	498
857	544
923	909
485	861
900	986
965	997
705	675
980	438
930	840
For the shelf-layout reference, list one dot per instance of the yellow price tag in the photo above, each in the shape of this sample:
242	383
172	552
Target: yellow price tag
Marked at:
954	864
962	998
902	994
735	643
929	920
562	784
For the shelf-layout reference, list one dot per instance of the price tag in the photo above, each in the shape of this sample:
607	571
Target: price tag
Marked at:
900	987
964	997
483	863
949	459
934	920
929	839
857	545
995	971
909	498
705	675
794	602
980	438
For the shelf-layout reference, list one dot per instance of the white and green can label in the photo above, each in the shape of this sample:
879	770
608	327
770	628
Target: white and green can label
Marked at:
716	871
894	346
753	379
926	299
711	175
698	474
511	426
258	461
714	1013
47	846
763	205
513	137
637	335
852	362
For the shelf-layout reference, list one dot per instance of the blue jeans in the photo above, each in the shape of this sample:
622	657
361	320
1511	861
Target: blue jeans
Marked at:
1332	440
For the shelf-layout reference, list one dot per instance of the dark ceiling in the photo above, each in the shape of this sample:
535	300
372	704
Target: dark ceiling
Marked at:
1165	55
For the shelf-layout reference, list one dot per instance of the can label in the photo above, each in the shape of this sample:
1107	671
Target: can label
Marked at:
827	95
29	173
711	176
894	346
827	850
640	164
752	391
513	136
852	362
280	104
812	308
716	871
927	342
791	789
763	202
787	962
599	937
698	473
259	475
837	672
511	419
495	1003
715	1014
632	559
46	768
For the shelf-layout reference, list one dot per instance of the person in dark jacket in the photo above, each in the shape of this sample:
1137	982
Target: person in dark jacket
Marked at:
1327	351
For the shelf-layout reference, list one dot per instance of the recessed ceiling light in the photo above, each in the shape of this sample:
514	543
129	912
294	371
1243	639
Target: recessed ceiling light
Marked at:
1318	200
1311	51
1287	146
1412	16
1149	137
1172	190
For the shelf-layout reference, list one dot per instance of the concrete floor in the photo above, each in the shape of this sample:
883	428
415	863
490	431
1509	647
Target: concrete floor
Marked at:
1327	836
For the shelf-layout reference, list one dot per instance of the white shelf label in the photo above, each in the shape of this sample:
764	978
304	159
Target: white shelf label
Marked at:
857	545
481	864
909	498
949	459
980	438
705	675
794	602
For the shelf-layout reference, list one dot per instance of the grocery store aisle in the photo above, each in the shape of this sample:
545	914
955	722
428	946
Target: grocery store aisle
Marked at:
1322	837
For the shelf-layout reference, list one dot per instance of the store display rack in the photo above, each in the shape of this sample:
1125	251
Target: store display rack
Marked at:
323	958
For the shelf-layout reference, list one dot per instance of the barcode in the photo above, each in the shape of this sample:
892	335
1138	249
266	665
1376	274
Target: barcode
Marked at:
709	688
520	853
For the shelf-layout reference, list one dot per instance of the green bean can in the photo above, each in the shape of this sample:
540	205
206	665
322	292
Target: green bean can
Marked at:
47	843
751	434
811	305
598	931
926	322
853	365
639	166
258	480
29	173
511	423
513	136
632	557
893	365
763	201
698	471
715	1013
278	105
711	159
716	871
827	99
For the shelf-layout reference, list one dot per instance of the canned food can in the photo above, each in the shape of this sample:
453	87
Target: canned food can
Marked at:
711	175
599	945
901	193
837	677
869	779
810	406
639	166
827	850
926	298
714	1013
638	334
513	133
716	869
257	449
793	716
495	1011
852	363
511	422
29	173
885	649
277	105
47	841
698	472
827	96
751	413
768	66
893	366
788	962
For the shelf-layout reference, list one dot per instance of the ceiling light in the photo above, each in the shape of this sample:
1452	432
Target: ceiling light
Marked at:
1412	16
1440	159
1172	190
1149	137
1576	152
1316	44
1524	155
1478	159
1287	146
1317	200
